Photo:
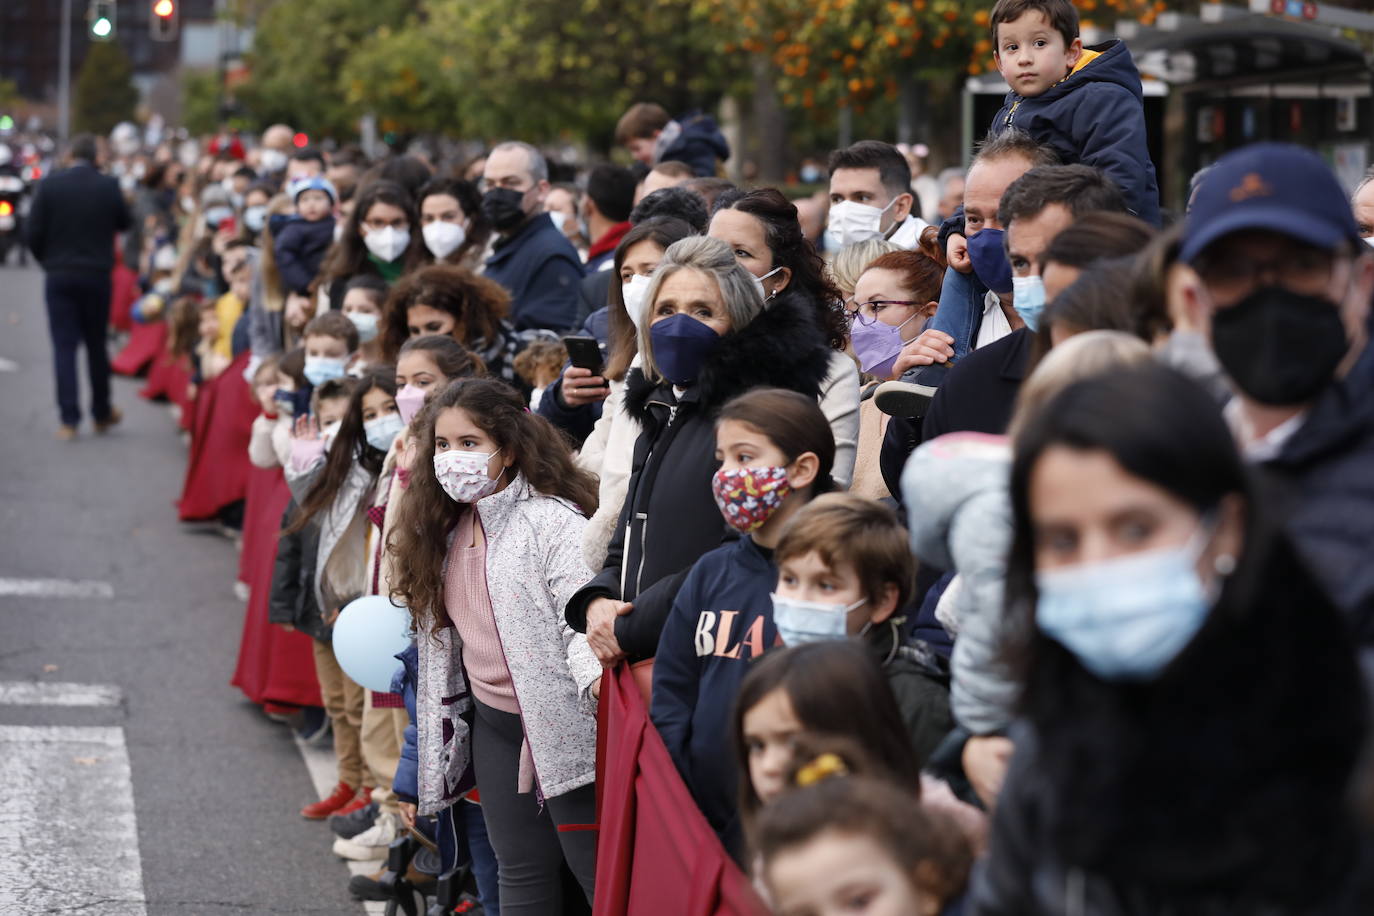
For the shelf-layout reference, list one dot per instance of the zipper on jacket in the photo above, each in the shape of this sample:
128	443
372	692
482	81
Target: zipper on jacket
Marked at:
1012	113
643	518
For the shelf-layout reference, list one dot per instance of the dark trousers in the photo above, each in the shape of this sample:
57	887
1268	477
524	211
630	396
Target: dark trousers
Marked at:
530	849
79	313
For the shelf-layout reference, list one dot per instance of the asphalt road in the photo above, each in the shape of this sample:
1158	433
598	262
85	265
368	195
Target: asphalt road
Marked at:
160	789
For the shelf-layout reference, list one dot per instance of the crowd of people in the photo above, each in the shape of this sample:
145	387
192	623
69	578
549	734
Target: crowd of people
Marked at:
1011	562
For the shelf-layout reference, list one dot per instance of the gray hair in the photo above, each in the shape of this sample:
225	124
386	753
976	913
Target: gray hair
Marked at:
948	175
1015	142
715	259
538	166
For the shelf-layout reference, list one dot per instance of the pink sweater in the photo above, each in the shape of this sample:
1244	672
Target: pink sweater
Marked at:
469	607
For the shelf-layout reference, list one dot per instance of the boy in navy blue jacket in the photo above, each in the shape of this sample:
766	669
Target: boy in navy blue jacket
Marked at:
1084	103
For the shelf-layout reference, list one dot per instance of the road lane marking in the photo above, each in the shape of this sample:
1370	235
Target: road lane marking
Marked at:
41	693
55	588
68	810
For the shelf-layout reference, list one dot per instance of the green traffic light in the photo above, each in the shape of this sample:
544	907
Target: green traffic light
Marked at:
102	27
6	122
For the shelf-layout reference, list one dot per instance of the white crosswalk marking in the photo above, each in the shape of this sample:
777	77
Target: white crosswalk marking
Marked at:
53	693
55	588
67	812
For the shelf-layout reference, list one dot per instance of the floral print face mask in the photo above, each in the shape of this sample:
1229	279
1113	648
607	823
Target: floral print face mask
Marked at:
463	475
748	497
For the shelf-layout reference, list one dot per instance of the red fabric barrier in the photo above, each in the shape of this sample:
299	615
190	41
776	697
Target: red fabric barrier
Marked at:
169	378
655	851
145	342
124	292
274	666
217	470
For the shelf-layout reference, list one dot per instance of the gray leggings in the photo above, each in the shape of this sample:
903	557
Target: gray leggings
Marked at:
530	851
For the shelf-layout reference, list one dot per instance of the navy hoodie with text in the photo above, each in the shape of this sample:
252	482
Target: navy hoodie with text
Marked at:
1094	116
722	619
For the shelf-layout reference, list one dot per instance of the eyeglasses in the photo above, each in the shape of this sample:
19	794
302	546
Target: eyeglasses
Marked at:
867	313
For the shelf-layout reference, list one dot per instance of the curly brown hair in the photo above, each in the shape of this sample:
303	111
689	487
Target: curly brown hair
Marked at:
418	540
476	303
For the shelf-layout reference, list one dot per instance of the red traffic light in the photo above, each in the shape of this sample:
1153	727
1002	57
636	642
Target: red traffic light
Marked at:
164	8
300	140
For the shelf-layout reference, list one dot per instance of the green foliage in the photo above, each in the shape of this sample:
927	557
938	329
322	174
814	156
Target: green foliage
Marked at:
200	101
9	94
104	93
301	53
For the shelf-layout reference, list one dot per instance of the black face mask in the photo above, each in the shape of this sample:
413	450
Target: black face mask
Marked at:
1280	347
504	208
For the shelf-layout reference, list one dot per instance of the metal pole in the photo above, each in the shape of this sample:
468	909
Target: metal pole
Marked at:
64	76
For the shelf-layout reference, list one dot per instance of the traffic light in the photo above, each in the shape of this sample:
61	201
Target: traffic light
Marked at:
100	20
162	24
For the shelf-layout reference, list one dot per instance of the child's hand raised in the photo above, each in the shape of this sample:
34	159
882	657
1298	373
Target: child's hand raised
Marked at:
307	427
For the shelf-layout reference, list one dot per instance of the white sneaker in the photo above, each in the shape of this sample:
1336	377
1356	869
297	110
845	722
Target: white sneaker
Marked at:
372	844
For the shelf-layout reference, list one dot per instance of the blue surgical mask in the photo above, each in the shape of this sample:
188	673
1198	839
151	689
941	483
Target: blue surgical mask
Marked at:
320	369
800	622
381	431
680	345
1028	298
366	323
1127	618
990	260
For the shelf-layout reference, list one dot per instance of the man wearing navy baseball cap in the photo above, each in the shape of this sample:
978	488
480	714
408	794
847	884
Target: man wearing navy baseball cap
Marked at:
1286	282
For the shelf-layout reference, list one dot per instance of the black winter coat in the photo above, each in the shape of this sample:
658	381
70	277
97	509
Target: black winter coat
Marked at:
75	216
670	517
1324	475
292	600
299	249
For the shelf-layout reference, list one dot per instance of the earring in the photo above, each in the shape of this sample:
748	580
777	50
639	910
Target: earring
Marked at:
1225	564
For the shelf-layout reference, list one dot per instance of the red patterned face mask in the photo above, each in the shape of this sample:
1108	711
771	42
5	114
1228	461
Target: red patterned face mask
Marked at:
748	497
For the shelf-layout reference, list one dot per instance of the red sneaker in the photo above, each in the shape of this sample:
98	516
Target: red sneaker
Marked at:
318	811
363	799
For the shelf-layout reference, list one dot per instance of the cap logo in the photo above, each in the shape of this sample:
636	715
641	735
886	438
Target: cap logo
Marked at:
1252	185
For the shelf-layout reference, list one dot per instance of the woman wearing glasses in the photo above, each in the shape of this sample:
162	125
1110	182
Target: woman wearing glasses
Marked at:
893	299
376	239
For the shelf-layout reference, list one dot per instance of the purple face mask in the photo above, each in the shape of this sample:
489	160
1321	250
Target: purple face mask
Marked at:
877	345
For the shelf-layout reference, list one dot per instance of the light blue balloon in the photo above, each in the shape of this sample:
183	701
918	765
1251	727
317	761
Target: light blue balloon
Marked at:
367	636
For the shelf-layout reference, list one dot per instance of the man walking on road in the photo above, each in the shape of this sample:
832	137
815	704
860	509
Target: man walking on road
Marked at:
72	225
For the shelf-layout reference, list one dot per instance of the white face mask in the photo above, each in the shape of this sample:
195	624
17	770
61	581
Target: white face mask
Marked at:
389	243
272	160
851	222
634	293
463	475
559	218
1370	241
366	323
328	432
758	284
442	239
255	218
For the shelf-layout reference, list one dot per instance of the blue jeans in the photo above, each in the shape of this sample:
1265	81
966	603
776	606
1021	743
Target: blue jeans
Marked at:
463	837
961	308
79	314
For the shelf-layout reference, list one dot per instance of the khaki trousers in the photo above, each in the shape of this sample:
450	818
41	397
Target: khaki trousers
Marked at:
343	701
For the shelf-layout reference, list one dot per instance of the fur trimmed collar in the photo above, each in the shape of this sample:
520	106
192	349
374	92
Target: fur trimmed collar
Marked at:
783	347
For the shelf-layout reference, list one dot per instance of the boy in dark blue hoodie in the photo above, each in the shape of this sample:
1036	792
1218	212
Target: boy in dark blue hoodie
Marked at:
1086	104
776	450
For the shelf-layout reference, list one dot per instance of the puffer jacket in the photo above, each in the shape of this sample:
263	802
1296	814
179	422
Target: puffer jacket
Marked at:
1096	116
959	511
669	519
406	781
534	564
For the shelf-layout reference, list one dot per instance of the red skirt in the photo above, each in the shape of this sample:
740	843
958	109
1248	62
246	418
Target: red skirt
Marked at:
274	666
123	294
146	341
217	471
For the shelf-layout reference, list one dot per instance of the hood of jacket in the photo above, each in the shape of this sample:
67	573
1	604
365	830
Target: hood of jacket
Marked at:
689	137
945	476
1109	62
784	347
